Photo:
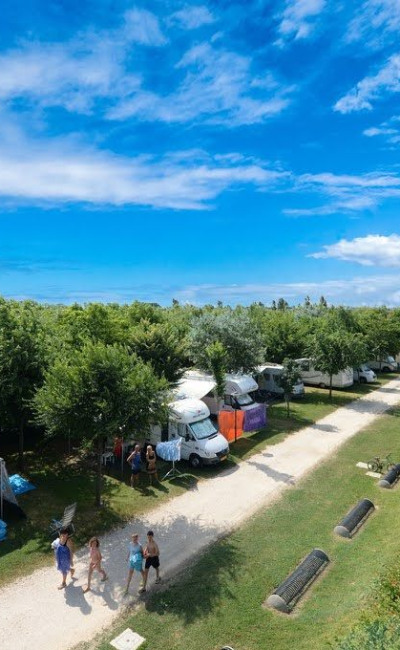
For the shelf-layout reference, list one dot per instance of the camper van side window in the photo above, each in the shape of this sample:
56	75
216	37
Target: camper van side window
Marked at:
228	400
305	366
182	429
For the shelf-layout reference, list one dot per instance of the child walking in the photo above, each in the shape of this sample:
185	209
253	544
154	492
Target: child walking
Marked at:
135	557
65	557
95	558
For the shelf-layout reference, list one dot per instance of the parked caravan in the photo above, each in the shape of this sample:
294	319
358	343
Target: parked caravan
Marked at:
388	364
268	376
202	444
364	374
313	377
238	396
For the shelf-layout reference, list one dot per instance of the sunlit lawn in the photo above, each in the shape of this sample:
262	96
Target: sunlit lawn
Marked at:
60	482
228	585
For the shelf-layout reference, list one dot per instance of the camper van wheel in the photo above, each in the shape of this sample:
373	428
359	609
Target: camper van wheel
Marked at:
322	385
363	380
385	369
195	461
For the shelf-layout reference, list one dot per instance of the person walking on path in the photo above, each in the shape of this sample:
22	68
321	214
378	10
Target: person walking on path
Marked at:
135	461
152	556
135	558
151	461
65	557
95	558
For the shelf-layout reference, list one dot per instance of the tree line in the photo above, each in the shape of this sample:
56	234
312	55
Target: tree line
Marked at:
90	371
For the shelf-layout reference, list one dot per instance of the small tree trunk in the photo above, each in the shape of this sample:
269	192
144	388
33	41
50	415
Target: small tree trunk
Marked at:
99	471
330	386
287	400
21	445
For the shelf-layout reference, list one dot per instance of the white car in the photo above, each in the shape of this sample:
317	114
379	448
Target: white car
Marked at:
364	374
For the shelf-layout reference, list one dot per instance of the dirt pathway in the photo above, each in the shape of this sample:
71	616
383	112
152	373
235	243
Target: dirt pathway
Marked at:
34	614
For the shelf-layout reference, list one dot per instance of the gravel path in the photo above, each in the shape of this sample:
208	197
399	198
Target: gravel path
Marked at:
34	614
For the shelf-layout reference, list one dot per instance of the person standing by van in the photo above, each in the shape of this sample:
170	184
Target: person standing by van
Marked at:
135	461
151	461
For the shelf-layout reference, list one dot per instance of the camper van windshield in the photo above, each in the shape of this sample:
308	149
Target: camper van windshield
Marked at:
244	400
203	429
391	359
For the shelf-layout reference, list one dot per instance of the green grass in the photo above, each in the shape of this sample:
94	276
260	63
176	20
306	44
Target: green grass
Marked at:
68	479
230	582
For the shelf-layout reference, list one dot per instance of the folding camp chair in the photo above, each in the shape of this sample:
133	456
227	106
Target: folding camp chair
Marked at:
65	522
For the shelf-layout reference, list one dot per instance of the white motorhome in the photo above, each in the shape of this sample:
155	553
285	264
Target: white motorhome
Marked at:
388	364
202	444
238	396
268	376
364	374
313	377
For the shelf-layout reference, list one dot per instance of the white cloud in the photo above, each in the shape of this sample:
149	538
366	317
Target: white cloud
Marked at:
362	290
376	23
372	250
345	192
297	21
371	89
388	130
62	170
219	86
193	17
76	73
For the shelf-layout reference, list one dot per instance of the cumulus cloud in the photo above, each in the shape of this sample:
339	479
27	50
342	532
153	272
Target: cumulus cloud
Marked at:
298	19
372	88
372	250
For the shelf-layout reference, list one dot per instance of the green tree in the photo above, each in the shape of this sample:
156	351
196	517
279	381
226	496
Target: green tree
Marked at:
236	332
331	352
22	363
288	380
381	329
161	346
217	359
97	390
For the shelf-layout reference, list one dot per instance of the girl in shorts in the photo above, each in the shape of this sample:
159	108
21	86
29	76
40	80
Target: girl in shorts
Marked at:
94	562
135	558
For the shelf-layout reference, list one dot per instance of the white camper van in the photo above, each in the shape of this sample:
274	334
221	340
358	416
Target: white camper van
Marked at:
313	377
364	374
202	444
239	391
268	380
388	364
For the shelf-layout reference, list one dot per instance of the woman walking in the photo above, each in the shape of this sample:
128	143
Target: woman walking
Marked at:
65	557
135	558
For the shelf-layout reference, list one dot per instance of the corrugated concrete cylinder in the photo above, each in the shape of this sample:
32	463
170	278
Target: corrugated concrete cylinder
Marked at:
391	477
290	590
354	519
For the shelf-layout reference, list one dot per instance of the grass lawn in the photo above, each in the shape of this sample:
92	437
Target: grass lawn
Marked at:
66	480
230	582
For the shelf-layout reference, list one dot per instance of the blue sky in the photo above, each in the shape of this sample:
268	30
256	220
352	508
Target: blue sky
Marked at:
234	151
